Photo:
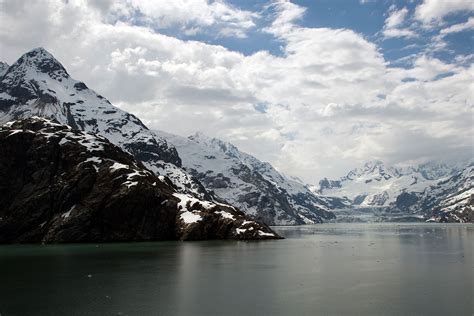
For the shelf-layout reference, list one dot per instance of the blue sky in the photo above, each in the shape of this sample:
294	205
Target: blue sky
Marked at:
314	87
367	18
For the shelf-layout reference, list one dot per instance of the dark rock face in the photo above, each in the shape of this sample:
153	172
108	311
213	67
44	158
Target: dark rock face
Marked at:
325	184
80	86
405	200
62	185
359	199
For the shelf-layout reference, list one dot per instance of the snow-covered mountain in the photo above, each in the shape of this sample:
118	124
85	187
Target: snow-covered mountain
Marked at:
38	85
448	200
377	185
253	186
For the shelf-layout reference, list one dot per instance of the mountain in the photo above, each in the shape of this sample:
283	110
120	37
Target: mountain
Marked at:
449	200
378	185
37	84
253	186
58	184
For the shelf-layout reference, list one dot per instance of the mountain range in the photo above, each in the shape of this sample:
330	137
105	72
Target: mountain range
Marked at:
376	184
207	168
435	191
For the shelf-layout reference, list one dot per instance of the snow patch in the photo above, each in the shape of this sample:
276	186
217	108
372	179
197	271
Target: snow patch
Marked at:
240	230
68	213
190	218
15	131
225	214
94	160
118	166
185	199
265	234
130	184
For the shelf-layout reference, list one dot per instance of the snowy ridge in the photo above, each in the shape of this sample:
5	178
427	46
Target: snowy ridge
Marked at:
253	186
378	185
451	199
38	85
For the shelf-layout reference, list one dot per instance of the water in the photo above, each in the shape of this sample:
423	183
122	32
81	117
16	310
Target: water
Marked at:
329	269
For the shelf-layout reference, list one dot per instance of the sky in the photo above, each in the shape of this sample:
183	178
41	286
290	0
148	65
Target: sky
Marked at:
314	87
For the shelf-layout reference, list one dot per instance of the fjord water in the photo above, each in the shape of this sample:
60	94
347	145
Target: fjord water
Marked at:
328	269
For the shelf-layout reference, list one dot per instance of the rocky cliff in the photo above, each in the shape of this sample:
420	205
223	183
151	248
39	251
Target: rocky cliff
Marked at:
58	184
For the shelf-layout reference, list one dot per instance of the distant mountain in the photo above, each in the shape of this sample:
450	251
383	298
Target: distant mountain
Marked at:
448	200
37	84
58	184
253	186
376	185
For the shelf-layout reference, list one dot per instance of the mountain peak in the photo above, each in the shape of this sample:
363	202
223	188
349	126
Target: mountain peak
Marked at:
41	61
373	168
38	50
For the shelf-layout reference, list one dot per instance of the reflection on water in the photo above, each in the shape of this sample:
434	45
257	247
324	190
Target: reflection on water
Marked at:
370	269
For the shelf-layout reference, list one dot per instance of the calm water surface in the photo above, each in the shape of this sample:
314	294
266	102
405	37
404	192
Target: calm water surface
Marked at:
329	269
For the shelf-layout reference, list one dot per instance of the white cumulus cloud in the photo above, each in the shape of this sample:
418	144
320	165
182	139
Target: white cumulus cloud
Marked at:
432	12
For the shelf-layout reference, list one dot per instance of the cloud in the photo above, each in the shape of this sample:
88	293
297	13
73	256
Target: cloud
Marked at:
331	100
390	33
396	18
285	14
192	16
392	27
432	12
469	25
